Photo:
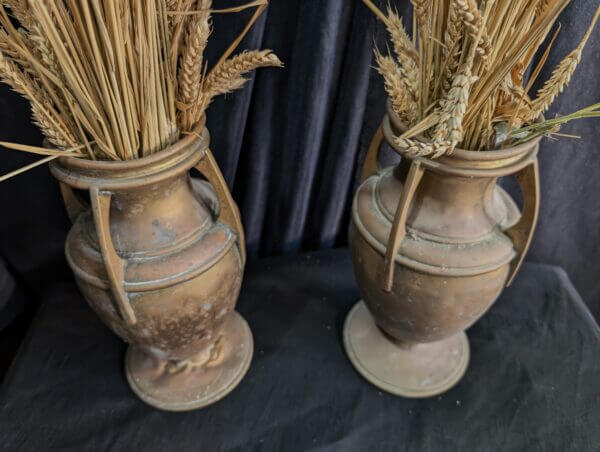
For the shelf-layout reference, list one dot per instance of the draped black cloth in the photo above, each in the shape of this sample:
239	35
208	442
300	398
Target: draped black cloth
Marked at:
10	300
292	141
532	383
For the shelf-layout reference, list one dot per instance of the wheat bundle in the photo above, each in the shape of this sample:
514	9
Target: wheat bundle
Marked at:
460	81
117	79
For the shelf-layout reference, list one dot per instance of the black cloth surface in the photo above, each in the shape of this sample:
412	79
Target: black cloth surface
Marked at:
292	141
12	300
532	384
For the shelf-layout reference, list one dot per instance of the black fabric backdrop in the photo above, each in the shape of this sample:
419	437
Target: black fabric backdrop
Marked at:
532	383
292	141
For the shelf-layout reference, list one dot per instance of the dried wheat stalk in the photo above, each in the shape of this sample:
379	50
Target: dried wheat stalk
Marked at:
541	6
403	44
420	149
401	92
452	41
190	72
229	75
44	116
468	12
454	107
465	70
421	12
561	76
20	11
117	79
405	51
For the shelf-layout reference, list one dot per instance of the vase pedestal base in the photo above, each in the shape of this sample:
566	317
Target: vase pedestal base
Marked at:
415	371
188	385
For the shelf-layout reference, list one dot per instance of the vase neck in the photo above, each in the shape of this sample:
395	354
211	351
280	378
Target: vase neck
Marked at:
159	216
445	207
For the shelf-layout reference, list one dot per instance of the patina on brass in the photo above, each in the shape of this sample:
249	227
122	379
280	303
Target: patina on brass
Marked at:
433	242
159	256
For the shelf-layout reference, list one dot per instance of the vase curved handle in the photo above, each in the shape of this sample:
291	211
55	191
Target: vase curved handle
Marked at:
115	266
371	163
74	203
398	231
229	212
522	232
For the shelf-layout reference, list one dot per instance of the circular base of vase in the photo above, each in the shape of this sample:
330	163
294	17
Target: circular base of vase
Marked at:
421	370
188	385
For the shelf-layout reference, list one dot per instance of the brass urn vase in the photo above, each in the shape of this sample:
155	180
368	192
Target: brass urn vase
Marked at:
433	244
159	256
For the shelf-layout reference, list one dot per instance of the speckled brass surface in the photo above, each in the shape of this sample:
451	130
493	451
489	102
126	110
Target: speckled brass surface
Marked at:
195	382
416	370
434	242
159	256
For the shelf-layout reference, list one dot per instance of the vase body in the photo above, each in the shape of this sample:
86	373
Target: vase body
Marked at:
453	262
156	263
454	258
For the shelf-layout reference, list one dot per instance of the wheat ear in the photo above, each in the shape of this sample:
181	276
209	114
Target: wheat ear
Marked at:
454	107
541	7
404	49
7	46
561	76
44	49
177	24
416	148
403	45
396	85
420	10
452	39
421	18
228	76
20	11
54	133
171	6
44	116
453	27
469	13
190	70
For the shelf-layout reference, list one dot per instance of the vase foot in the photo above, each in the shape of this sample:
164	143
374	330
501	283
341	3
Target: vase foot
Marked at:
422	370
189	385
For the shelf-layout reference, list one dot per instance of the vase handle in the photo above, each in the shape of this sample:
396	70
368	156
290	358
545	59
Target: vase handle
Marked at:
522	232
115	266
371	164
73	201
229	212
398	231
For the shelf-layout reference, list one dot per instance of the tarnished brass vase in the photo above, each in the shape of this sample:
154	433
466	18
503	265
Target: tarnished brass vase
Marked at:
433	242
159	256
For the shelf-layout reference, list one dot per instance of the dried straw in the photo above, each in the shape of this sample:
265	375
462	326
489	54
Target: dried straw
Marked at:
190	72
117	80
561	76
463	72
229	75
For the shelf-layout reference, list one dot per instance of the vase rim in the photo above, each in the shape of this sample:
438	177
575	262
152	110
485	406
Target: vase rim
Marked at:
174	159
115	165
464	154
